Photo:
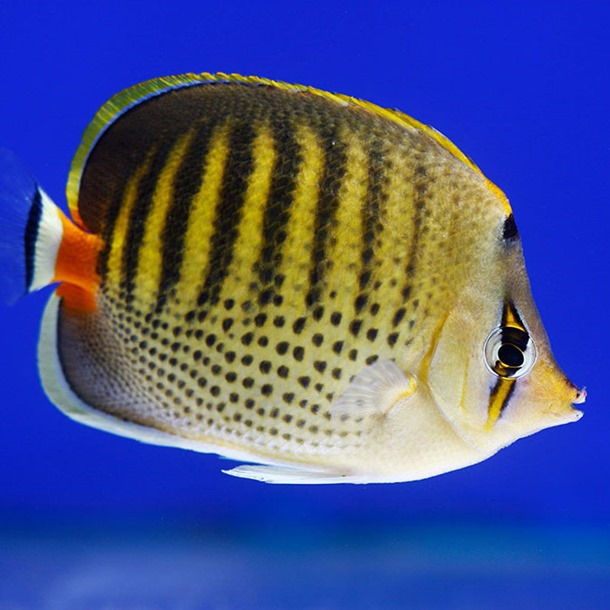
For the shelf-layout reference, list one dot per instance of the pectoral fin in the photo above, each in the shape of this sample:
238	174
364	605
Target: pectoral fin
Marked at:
375	390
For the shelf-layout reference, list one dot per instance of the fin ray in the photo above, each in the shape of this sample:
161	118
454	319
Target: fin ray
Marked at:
375	390
31	231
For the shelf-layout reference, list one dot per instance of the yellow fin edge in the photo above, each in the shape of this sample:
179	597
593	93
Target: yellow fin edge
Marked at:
130	97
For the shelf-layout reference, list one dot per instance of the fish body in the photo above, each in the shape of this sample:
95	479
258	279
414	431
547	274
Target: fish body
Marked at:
288	277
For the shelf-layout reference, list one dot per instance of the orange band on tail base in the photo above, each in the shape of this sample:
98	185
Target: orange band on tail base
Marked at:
76	266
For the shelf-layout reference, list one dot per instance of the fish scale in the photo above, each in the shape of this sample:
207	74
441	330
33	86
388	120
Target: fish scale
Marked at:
290	277
311	365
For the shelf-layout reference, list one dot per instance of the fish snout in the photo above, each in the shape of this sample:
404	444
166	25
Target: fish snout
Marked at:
581	396
577	396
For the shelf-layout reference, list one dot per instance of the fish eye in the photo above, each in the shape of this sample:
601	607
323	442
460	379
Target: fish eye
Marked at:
509	352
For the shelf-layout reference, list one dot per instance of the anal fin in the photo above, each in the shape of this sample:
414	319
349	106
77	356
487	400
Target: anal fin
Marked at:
287	475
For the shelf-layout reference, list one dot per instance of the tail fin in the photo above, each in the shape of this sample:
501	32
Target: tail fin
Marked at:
30	231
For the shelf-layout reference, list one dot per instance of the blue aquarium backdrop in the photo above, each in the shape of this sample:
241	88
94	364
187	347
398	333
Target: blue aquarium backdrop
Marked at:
91	520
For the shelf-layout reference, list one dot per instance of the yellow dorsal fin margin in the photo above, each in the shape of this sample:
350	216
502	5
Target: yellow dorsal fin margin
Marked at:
132	96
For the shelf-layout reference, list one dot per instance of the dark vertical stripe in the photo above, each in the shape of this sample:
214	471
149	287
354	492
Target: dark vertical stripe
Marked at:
371	212
238	168
513	330
110	223
187	184
142	207
328	201
420	184
30	237
277	210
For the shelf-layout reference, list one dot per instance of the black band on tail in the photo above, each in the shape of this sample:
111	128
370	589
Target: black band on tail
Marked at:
31	235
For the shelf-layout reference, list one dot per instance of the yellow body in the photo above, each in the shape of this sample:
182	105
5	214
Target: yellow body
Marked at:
298	279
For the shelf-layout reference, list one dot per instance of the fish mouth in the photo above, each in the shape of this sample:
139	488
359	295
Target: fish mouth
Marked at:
563	409
581	396
576	414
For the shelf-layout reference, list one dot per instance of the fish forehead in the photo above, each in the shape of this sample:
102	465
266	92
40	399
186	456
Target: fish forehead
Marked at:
260	252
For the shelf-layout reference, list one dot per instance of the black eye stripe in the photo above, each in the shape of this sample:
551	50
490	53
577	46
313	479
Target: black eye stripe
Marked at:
509	230
512	335
499	397
510	315
513	329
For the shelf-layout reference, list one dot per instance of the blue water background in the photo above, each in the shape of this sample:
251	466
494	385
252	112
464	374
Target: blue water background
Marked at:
93	520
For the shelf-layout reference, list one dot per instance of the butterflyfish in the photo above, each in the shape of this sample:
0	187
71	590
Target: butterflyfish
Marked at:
320	288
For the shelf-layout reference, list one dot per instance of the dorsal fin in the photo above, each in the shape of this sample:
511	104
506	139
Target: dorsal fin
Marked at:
122	102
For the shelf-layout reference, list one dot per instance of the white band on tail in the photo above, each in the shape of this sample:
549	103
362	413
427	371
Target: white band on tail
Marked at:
48	238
